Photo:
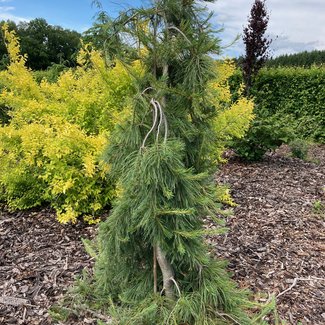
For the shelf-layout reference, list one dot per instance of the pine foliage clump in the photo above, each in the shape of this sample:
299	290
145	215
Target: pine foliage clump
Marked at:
153	265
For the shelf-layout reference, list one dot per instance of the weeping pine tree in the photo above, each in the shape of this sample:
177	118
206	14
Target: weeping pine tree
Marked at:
153	264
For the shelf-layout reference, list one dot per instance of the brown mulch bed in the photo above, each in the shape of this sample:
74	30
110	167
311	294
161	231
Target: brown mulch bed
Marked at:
39	260
275	237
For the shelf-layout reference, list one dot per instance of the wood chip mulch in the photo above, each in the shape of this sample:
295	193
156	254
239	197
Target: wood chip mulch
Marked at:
39	260
276	242
277	235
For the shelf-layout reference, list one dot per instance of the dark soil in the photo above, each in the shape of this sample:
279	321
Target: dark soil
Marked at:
276	241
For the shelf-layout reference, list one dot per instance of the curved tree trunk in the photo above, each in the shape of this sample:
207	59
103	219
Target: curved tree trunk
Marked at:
167	272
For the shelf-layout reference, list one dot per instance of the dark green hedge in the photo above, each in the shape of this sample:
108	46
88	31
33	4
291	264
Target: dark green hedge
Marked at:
295	94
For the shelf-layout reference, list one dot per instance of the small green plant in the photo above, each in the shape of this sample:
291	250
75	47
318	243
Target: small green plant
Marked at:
318	207
269	309
265	134
59	314
299	148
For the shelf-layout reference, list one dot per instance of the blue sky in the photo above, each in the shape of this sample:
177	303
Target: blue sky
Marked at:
73	14
295	25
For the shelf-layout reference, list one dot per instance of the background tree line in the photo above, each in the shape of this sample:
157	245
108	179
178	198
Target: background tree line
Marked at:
302	59
44	44
47	45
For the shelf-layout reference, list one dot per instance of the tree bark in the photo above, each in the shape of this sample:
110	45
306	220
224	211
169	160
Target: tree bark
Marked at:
155	281
167	273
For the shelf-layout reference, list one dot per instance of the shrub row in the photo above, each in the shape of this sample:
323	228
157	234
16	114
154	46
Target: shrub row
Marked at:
295	93
289	104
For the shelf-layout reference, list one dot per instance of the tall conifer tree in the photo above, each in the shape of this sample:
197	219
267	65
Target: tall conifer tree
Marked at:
153	260
256	43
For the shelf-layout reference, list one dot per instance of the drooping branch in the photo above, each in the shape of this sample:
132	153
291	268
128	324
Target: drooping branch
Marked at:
155	112
178	30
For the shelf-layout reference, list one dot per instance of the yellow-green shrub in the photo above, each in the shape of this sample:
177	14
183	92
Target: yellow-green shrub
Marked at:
50	150
234	116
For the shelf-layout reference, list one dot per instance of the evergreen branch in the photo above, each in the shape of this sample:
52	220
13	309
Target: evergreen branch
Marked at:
223	315
176	212
147	89
89	248
97	4
201	233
